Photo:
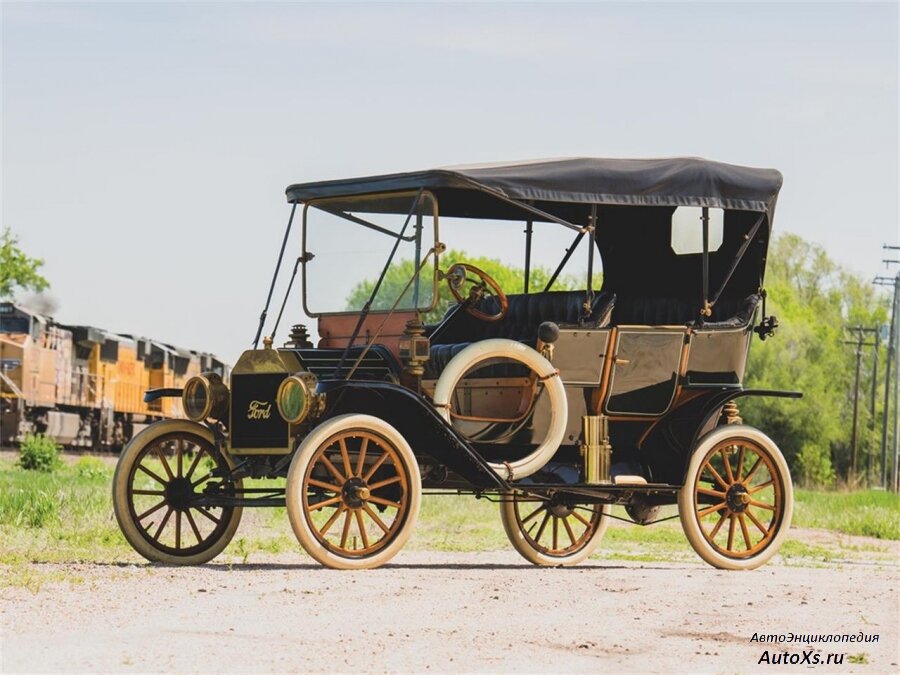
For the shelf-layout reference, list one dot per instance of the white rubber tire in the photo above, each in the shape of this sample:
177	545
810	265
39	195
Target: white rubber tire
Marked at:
481	351
688	514
520	542
295	501
120	494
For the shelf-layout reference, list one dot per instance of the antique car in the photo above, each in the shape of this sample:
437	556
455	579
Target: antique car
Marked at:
556	402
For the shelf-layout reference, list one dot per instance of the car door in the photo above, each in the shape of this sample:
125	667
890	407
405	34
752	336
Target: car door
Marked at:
645	370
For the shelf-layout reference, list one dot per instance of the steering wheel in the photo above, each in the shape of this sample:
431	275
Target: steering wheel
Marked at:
483	286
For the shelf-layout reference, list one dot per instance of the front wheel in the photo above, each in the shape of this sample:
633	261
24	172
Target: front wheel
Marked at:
353	492
737	500
158	492
552	532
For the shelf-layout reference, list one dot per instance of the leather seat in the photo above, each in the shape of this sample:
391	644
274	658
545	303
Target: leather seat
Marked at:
526	312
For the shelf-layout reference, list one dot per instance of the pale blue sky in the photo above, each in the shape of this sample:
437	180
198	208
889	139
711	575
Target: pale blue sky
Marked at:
146	147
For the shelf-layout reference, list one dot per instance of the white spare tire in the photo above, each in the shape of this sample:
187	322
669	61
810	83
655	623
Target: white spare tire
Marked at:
484	350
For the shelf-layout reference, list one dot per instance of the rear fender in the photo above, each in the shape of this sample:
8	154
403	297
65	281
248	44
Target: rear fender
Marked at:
713	409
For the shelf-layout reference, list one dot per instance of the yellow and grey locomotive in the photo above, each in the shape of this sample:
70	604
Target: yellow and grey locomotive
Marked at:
83	386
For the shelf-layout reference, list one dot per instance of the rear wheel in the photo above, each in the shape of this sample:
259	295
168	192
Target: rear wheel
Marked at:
353	492
553	532
161	475
737	501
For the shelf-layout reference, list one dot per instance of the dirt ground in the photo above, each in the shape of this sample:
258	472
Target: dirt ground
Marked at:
440	612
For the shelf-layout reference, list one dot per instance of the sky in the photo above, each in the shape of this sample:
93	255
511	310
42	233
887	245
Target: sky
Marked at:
146	146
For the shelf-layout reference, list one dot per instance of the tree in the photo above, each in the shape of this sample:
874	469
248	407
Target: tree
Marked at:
17	270
815	301
510	279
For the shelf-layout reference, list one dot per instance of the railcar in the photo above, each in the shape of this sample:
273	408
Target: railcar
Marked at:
556	403
83	386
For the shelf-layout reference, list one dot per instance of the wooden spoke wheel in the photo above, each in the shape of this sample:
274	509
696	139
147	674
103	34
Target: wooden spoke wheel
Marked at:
160	477
737	501
553	532
353	492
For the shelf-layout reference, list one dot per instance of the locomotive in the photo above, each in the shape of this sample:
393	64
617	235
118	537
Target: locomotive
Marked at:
84	386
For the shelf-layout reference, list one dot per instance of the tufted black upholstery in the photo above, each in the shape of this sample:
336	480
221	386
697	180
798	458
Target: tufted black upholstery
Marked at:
727	313
526	313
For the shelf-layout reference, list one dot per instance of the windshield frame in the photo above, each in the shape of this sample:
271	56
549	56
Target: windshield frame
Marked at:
306	256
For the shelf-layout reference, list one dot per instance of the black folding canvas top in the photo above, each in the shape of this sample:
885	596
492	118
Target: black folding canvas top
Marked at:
626	182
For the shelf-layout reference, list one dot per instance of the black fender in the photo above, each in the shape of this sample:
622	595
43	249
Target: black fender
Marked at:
713	406
417	421
667	449
154	394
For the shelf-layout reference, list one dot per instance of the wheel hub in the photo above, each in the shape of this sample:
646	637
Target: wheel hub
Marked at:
559	508
354	492
180	493
737	498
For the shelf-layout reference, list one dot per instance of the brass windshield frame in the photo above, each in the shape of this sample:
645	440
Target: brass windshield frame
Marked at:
423	251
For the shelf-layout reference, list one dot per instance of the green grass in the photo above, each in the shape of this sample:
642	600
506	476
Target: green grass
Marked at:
868	513
66	516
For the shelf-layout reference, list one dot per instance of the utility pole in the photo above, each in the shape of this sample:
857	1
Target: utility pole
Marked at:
854	440
870	450
889	481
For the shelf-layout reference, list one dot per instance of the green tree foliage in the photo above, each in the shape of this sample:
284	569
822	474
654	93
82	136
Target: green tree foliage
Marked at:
815	301
510	279
17	270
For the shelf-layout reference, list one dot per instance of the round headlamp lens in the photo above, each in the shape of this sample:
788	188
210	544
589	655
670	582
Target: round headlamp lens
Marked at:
196	399
293	400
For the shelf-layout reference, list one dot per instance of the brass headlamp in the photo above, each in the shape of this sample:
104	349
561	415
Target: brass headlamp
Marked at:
205	396
296	397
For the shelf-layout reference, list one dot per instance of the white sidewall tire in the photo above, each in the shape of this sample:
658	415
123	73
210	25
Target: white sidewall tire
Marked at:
688	514
120	494
516	351
520	542
295	500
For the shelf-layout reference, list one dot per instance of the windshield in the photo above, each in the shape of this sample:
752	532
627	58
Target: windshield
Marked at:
347	242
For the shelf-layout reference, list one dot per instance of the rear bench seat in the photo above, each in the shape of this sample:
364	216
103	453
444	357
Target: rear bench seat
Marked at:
726	313
525	314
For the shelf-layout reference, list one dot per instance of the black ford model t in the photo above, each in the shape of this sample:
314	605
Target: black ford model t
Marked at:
555	403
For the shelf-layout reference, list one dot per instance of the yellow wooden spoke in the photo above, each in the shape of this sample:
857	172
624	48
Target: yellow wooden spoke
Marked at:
324	485
745	531
569	530
727	461
761	486
334	516
730	531
333	469
345	456
362	528
362	457
375	467
374	516
384	483
711	509
324	503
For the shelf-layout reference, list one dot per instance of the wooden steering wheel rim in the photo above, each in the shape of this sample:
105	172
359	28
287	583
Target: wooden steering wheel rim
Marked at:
493	285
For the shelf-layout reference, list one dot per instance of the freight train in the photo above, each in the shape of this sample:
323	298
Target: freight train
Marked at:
83	386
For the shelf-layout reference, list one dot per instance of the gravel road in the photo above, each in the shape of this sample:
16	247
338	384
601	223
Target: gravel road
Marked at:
440	612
